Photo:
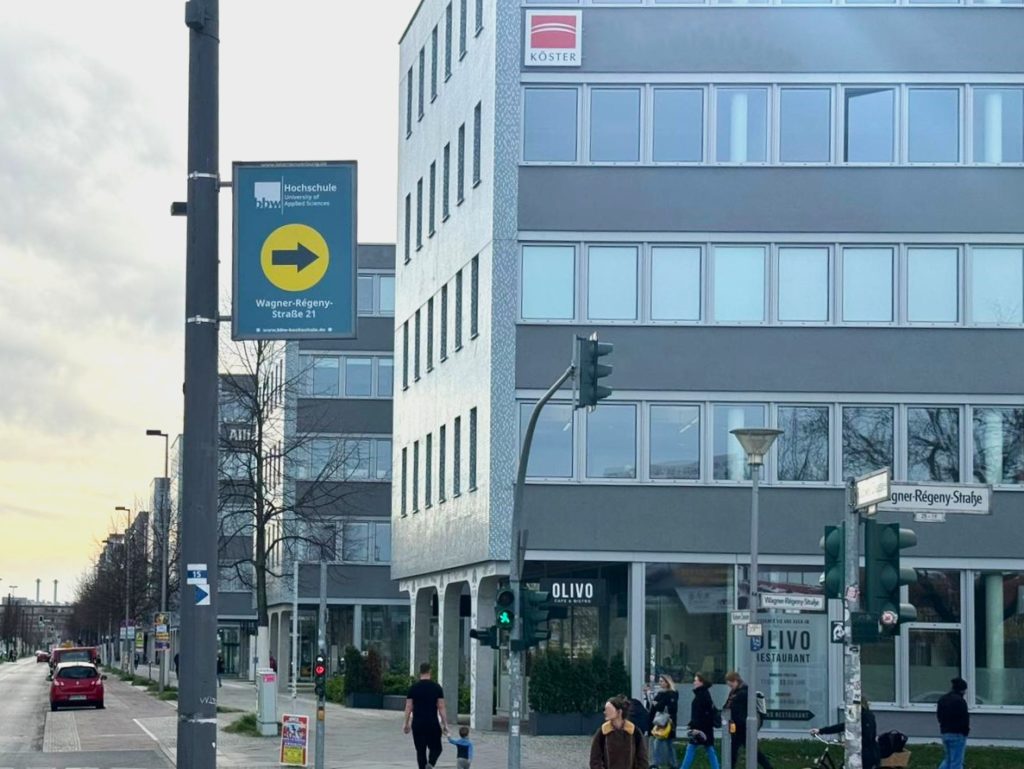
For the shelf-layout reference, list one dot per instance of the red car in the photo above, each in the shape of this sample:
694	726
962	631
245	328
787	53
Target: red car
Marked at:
42	656
76	683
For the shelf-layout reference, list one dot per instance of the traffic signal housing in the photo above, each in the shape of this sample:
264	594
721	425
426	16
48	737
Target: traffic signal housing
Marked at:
884	576
487	636
320	676
505	609
834	576
537	610
590	371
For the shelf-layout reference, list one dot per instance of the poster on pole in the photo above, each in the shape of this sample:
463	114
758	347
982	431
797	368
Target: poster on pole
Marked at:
792	668
294	740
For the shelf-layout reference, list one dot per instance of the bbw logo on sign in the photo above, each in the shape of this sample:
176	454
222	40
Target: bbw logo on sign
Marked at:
553	39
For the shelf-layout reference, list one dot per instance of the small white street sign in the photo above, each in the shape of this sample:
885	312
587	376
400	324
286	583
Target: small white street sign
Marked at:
963	498
792	602
741	617
755	630
929	517
871	489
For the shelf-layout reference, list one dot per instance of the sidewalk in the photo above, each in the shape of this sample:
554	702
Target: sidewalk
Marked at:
368	739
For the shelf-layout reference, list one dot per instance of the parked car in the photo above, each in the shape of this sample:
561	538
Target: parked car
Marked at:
87	654
42	656
76	683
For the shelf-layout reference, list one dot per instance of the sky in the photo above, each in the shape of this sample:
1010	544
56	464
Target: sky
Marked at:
93	111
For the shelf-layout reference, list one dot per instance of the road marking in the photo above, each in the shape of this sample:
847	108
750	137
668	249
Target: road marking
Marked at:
143	728
60	733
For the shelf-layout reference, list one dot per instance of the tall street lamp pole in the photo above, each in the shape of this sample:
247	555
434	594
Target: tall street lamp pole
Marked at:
125	663
756	441
165	515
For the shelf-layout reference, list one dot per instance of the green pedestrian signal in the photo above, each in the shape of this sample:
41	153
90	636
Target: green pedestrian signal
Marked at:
884	576
504	609
590	371
834	576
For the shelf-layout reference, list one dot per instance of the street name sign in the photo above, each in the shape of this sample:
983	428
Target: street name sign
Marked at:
294	257
958	498
755	629
871	489
741	617
792	601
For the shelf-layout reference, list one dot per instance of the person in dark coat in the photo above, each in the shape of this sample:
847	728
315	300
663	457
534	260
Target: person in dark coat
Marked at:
666	700
618	744
737	705
702	723
868	735
954	724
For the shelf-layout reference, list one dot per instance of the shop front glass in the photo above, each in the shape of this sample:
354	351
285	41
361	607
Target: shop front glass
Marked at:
386	629
340	633
999	638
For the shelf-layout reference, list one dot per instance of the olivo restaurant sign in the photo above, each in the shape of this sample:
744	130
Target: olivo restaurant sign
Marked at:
574	592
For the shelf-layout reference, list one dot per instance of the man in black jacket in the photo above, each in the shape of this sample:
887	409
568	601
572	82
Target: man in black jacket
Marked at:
954	724
737	705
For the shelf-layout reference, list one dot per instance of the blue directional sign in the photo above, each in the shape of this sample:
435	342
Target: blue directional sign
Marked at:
202	595
294	250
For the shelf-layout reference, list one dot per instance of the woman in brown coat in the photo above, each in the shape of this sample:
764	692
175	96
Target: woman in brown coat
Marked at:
618	744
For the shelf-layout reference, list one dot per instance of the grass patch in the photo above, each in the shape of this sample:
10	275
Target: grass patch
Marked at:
247	725
168	695
226	709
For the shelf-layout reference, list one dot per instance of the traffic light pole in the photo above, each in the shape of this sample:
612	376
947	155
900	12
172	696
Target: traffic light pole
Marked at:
321	645
515	570
852	677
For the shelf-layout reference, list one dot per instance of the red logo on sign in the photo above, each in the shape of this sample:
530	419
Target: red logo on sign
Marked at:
553	31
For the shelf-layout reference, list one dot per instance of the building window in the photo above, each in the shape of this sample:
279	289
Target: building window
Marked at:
730	462
460	179
444	322
442	491
462	27
448	41
611	441
870	134
739	280
550	124
675	443
867	439
472	449
376	294
382	542
430	334
933	283
675	283
419	214
803	447
408	104
355	542
349	376
929	673
678	125
445	180
477	129
458	310
364	295
405	480
415	476
998	445
474	297
552	450
433	64
428	472
432	206
742	130
358	377
998	630
382	459
612	282
549	280
417	330
457	457
422	83
385	377
479	16
997	285
405	355
933	444
867	285
386	294
805	125
998	125
933	125
615	125
326	380
408	228
343	458
803	284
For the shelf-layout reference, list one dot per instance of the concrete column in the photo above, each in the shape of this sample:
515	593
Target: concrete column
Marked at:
994	127
737	460
481	658
419	628
284	648
992	441
635	639
738	127
357	626
448	646
995	639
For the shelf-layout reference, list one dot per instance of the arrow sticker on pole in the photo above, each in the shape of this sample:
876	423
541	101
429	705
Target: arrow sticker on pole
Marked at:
202	595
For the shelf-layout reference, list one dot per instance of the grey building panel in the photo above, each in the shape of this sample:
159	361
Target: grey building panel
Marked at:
348	581
373	334
233	604
984	726
376	256
702	519
358	499
813	360
344	415
771	199
690	40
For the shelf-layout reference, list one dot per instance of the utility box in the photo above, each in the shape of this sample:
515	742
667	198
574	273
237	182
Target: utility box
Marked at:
266	702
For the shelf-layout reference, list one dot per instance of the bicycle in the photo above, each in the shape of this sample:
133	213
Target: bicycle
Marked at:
825	760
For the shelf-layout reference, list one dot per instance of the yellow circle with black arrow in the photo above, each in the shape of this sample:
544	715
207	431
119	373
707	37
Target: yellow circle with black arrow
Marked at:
294	257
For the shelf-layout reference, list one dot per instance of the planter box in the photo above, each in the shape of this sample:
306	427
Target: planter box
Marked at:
394	702
361	700
574	724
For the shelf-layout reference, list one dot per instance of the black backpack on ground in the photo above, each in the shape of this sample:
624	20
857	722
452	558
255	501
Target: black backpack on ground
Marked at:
891	742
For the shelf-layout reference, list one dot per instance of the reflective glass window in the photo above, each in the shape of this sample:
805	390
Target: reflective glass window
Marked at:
359	377
383	459
382	542
867	284
730	462
867	439
611	441
611	282
997	285
933	130
934	660
548	282
549	124
936	595
742	125
675	442
325	381
805	134
364	294
878	668
739	283
551	451
385	377
387	294
999	638
355	542
933	285
803	284
678	125
998	125
615	124
933	444
803	446
675	283
870	125
355	459
998	445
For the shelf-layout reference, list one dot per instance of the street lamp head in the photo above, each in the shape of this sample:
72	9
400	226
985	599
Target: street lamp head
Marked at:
122	509
160	433
756	441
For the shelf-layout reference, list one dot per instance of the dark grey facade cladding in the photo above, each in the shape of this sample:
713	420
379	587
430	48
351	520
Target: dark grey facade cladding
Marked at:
949	361
373	334
369	583
347	500
235	604
345	415
771	199
375	256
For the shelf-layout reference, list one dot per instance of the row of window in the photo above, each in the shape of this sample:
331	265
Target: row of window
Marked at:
419	84
445	193
420	355
419	465
755	283
342	458
376	293
822	443
350	541
800	124
346	375
773	2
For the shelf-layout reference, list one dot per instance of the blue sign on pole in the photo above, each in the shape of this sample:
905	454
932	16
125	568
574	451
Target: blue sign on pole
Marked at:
294	250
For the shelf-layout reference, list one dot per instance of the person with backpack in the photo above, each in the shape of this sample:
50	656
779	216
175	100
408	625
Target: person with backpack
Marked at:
737	706
868	735
618	744
702	723
664	715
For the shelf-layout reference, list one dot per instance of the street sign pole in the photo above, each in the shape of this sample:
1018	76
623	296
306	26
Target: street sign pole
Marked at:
322	646
852	676
197	693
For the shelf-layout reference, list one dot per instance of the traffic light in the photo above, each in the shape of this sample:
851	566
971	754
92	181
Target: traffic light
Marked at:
834	545
320	676
590	371
487	636
505	609
537	610
884	576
